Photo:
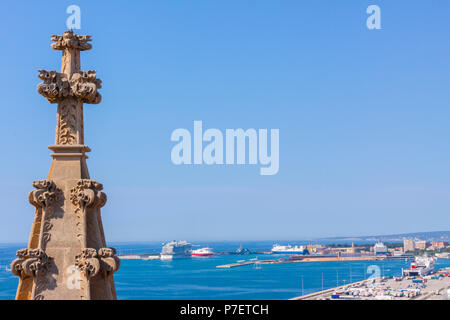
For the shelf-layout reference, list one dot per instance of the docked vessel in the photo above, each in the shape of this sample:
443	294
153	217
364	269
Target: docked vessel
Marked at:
380	249
242	250
176	250
289	249
421	266
443	255
203	252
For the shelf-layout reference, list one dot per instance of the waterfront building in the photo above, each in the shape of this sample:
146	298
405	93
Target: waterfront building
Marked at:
439	244
316	248
352	250
408	245
421	244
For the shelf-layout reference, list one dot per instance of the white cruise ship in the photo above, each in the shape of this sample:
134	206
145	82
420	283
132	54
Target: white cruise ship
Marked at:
289	249
176	250
380	248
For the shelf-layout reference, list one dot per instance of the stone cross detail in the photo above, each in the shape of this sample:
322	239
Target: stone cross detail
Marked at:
67	257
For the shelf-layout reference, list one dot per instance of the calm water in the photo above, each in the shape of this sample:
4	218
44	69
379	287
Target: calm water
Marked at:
198	278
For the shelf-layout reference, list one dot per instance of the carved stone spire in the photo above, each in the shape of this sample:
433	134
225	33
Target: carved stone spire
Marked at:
71	44
67	257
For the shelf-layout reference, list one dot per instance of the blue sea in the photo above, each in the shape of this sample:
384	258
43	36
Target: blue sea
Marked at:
198	278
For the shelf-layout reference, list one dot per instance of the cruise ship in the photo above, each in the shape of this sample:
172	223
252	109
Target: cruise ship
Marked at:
421	266
203	252
176	250
380	248
289	249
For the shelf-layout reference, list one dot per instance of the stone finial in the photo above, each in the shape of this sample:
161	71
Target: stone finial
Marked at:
69	40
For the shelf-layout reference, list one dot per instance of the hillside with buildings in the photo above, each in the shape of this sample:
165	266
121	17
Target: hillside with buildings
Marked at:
424	236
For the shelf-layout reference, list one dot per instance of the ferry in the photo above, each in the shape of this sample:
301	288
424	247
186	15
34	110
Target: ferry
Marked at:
443	255
289	249
421	266
176	250
203	252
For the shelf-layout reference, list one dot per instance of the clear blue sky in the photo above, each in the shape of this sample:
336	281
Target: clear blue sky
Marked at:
364	116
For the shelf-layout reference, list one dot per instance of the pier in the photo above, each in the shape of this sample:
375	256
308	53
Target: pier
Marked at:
236	264
303	259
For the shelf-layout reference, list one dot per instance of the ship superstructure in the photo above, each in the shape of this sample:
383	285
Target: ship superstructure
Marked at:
421	266
289	249
176	250
380	248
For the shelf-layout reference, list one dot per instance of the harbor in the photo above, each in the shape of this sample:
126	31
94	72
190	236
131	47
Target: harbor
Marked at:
262	277
277	255
359	272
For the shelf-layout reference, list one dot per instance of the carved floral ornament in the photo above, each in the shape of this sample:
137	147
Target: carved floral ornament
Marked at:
81	85
92	262
30	262
87	193
69	40
45	195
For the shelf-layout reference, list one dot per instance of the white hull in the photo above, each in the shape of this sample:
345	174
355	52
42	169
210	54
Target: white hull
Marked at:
168	257
422	266
277	249
203	252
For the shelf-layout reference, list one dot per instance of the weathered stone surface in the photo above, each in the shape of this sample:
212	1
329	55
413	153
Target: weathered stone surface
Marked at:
67	256
82	86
